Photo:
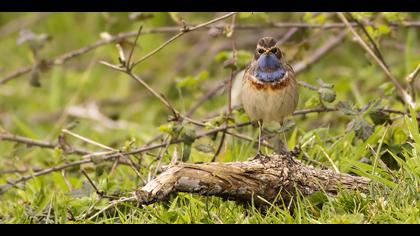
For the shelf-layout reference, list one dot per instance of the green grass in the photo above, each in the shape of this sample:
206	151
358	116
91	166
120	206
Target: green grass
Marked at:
389	155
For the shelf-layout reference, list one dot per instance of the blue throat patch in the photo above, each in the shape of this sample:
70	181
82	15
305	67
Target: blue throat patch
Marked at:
269	69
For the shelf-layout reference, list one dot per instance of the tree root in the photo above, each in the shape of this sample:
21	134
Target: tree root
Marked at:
265	178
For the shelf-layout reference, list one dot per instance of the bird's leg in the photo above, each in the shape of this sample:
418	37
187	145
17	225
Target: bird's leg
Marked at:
260	127
280	145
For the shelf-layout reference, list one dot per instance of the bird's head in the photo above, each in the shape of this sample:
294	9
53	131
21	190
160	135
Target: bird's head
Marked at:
269	65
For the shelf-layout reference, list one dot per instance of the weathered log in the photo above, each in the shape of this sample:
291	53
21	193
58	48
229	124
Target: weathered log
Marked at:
273	178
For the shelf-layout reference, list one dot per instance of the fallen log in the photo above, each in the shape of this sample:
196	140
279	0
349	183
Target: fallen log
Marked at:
265	178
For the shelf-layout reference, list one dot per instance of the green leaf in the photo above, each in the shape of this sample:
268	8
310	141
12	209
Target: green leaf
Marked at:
384	29
388	88
378	117
166	128
313	101
362	128
192	81
242	57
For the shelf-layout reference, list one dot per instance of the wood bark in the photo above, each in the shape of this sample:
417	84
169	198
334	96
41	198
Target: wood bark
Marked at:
265	178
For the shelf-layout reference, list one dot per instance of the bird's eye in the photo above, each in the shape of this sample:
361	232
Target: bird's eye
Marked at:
261	51
274	50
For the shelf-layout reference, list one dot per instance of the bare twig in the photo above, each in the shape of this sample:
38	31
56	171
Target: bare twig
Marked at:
287	35
160	155
87	140
100	193
184	30
150	89
313	110
403	94
372	42
219	147
37	143
134	46
321	51
229	90
306	85
411	79
11	183
113	203
209	94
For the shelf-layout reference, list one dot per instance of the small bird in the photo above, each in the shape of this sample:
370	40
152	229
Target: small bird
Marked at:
269	89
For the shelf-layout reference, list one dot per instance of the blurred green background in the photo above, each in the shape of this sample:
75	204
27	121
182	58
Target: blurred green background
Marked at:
109	107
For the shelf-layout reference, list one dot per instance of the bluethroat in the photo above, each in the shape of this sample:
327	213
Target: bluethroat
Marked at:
269	89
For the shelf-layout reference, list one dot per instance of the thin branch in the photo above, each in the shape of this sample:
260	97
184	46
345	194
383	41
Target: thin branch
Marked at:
403	94
219	148
113	203
134	46
209	94
307	85
229	89
314	110
11	183
330	44
37	143
410	79
100	193
372	42
183	31
63	58
87	140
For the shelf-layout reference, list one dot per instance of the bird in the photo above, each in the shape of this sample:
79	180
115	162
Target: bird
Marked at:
269	90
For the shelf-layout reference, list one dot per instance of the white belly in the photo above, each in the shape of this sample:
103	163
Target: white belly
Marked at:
268	104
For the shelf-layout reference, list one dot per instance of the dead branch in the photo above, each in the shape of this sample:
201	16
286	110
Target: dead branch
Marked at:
264	179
